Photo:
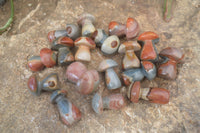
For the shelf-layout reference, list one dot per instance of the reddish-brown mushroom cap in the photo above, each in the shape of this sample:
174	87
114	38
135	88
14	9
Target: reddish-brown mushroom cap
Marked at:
158	95
128	45
135	92
149	35
86	41
32	83
132	28
172	53
116	28
66	41
48	57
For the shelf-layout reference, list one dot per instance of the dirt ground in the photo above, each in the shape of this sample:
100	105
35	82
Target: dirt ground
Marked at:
22	112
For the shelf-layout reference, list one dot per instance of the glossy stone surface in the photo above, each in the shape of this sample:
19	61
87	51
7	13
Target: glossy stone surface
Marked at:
88	82
149	70
35	63
167	68
62	42
73	31
113	102
37	84
130	60
131	75
111	78
99	36
48	57
154	95
86	20
74	71
149	51
52	35
69	113
65	56
84	45
131	29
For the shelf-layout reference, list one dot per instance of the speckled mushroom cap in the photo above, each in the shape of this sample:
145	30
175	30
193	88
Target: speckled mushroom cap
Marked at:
57	93
132	28
85	41
33	84
172	53
133	92
97	103
128	45
148	35
105	64
85	16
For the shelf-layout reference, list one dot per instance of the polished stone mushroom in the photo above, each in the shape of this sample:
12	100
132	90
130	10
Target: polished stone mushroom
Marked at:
72	31
111	78
84	45
131	29
154	95
86	20
35	63
37	84
148	69
172	56
69	113
130	60
108	44
148	40
113	102
48	57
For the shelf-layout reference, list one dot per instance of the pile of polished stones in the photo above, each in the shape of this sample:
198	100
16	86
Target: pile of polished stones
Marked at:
87	81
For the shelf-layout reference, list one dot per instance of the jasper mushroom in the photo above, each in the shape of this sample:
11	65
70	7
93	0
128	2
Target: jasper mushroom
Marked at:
87	81
148	69
109	44
35	63
154	95
172	56
69	113
86	20
130	60
131	75
46	83
48	57
71	31
111	78
113	102
148	40
131	29
84	45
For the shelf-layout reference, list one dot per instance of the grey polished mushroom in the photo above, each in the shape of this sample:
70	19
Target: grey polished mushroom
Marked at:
111	78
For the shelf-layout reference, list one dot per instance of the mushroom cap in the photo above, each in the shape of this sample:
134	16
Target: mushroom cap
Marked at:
134	90
116	28
97	103
56	94
62	42
74	71
73	31
172	53
132	28
99	36
48	57
149	69
33	84
128	45
110	45
105	64
85	16
52	35
35	63
148	35
88	82
86	41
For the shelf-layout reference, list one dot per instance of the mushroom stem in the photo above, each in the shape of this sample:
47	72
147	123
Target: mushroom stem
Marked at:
112	80
88	28
83	53
143	93
130	60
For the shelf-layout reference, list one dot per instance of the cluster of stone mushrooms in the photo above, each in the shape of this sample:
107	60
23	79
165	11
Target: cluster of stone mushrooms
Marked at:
87	81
